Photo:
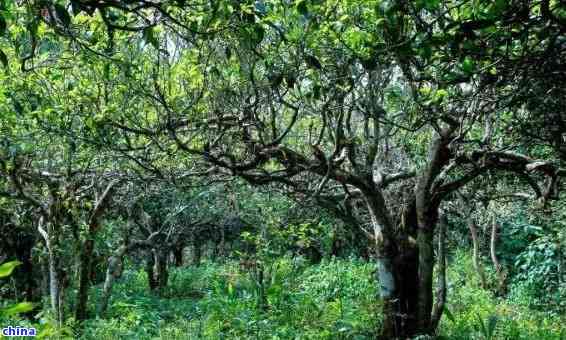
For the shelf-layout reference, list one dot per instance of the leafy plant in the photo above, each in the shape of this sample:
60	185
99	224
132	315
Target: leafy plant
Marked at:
6	270
486	328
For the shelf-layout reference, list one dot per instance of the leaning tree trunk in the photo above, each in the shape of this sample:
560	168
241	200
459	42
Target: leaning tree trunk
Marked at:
112	273
88	250
115	268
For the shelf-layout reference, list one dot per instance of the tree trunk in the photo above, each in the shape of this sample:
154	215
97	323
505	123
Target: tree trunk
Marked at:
112	273
162	273
25	275
501	275
196	254
53	268
178	255
475	253
149	269
426	268
54	288
438	308
396	273
84	279
45	276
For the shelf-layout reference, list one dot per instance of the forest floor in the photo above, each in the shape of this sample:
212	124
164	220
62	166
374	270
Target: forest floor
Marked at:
335	299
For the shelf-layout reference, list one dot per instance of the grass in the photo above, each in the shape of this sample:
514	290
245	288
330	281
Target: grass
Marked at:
336	299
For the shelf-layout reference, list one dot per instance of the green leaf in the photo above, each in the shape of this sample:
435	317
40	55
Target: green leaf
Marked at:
75	7
431	4
302	8
468	65
3	59
259	33
18	308
2	25
481	325
449	314
63	15
491	324
7	268
498	7
149	37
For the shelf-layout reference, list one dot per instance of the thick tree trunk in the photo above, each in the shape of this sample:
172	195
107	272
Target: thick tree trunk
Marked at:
396	273
162	273
426	267
84	279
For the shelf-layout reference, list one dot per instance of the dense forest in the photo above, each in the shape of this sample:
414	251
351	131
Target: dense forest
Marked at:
283	169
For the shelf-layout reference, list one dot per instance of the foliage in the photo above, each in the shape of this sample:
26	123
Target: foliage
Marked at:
334	299
478	314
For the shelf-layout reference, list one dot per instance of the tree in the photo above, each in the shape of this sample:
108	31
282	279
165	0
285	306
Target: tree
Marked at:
396	105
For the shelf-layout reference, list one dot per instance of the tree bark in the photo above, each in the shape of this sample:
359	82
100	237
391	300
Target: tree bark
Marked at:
426	267
162	273
88	252
501	275
53	267
112	273
84	279
150	270
197	253
178	254
115	268
394	325
54	288
475	253
438	308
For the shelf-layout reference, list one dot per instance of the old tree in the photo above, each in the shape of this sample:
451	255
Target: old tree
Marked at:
380	111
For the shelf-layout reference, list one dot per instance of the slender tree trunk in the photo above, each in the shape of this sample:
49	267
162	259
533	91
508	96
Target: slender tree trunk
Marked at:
178	255
112	273
475	253
84	279
150	270
45	277
501	275
438	308
53	268
54	288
